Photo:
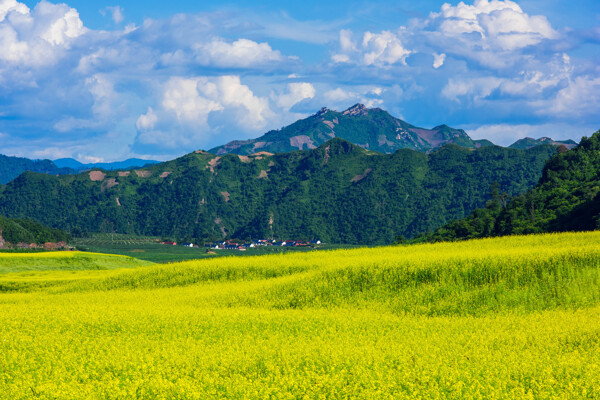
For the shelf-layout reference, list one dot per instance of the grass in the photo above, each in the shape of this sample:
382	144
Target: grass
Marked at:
504	318
64	261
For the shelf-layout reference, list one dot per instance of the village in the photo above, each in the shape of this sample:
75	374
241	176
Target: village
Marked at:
234	244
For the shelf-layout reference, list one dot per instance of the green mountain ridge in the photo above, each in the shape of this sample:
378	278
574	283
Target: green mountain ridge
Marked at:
527	143
567	198
338	192
370	128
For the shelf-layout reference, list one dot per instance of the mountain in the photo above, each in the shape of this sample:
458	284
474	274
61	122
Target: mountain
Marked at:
11	167
567	198
338	192
527	143
127	164
370	128
22	230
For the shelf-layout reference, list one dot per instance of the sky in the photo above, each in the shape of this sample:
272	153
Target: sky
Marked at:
106	81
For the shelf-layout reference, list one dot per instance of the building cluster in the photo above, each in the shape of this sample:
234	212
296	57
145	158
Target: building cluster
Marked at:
233	244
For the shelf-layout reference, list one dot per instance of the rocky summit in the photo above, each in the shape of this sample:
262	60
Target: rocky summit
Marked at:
370	128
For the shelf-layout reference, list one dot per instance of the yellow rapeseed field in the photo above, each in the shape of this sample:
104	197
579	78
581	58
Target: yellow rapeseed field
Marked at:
506	318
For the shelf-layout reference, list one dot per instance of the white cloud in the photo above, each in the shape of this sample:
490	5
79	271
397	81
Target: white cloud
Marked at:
240	53
296	93
116	13
530	84
188	105
438	60
106	105
146	122
39	37
339	95
183	97
580	97
8	6
377	49
476	88
487	31
341	98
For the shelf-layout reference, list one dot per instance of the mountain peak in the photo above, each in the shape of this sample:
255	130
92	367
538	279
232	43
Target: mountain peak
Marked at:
370	128
322	111
357	110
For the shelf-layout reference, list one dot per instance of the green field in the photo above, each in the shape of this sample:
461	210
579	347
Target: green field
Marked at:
506	318
64	261
149	248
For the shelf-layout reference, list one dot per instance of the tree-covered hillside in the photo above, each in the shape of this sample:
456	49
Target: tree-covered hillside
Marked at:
338	192
567	198
23	230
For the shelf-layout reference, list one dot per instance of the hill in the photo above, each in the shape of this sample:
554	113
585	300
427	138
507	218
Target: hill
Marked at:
26	231
527	143
11	167
370	128
567	198
339	193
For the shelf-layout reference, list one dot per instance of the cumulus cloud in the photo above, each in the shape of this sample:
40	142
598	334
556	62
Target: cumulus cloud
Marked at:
240	53
378	49
188	107
105	105
146	122
486	31
296	92
527	84
476	88
341	98
39	37
197	80
438	60
8	6
580	97
500	23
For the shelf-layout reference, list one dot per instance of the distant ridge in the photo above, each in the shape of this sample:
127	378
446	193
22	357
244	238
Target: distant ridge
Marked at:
370	128
527	143
11	167
127	164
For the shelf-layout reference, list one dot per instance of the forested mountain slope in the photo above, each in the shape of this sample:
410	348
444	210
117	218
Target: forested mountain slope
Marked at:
338	192
567	198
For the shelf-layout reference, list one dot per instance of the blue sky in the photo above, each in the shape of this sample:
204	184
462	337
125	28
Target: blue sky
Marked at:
155	79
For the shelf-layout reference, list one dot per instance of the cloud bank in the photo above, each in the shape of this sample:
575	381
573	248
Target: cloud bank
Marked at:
189	81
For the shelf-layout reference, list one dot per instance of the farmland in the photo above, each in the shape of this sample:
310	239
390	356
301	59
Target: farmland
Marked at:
513	317
149	248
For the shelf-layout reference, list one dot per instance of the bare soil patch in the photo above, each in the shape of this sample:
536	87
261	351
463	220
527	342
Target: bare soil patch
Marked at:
97	176
361	176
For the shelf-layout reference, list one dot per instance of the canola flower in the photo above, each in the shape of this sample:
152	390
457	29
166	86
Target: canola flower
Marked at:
502	318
